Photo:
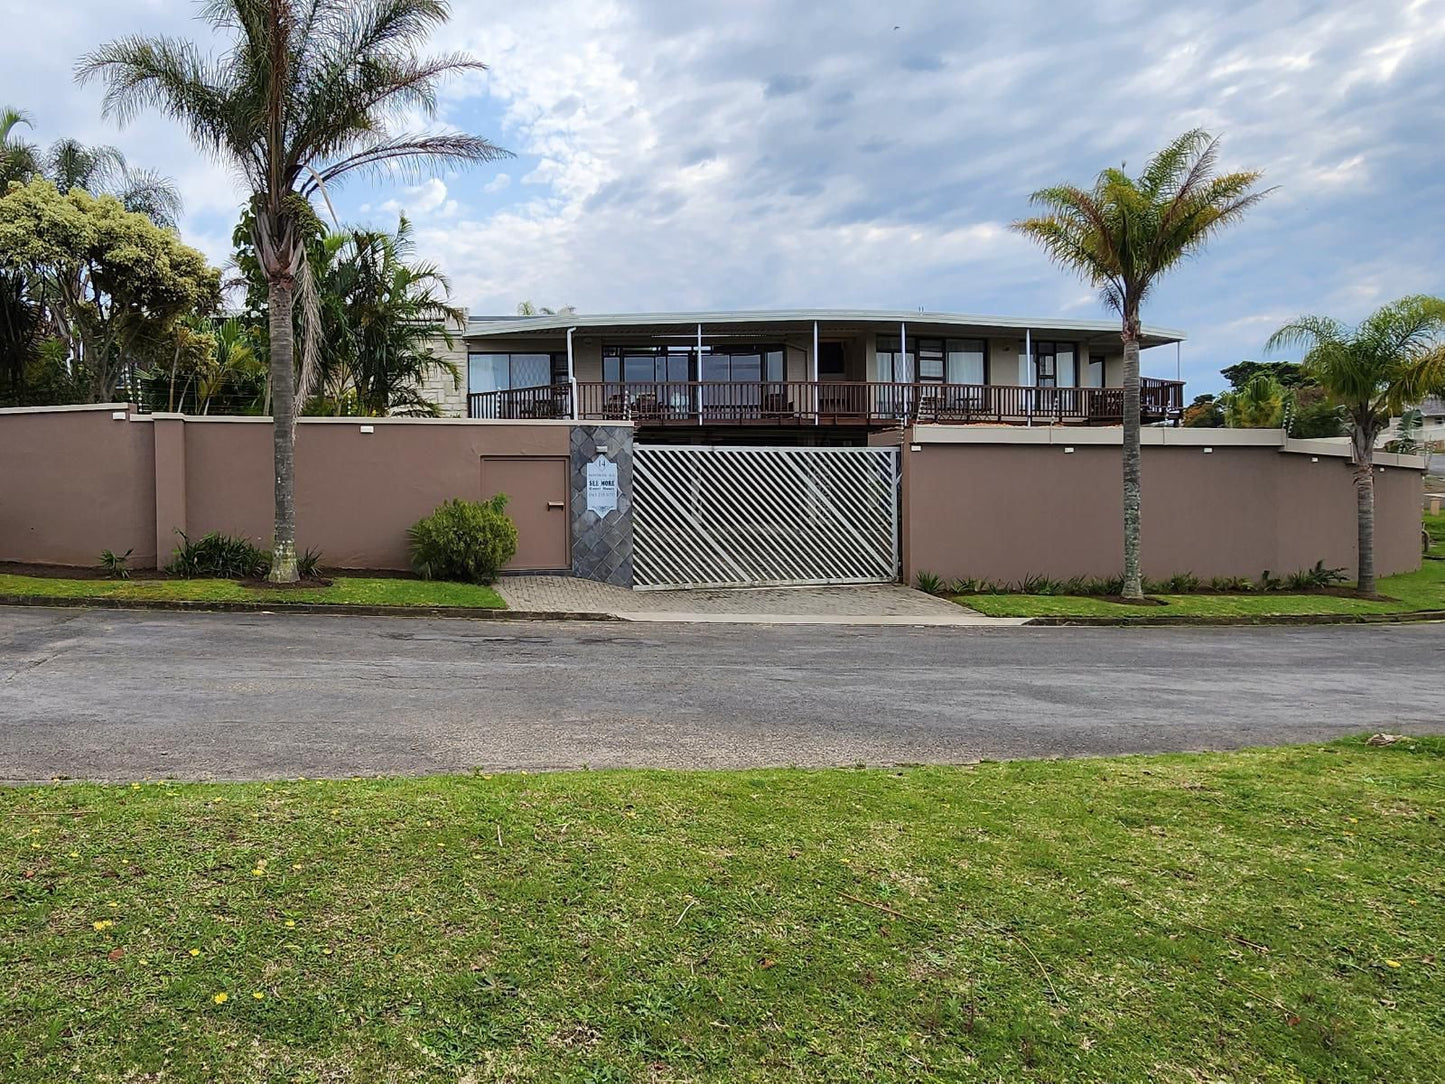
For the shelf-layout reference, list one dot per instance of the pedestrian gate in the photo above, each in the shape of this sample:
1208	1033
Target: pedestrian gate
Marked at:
739	516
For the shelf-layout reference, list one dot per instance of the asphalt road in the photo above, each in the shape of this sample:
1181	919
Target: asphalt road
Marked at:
117	695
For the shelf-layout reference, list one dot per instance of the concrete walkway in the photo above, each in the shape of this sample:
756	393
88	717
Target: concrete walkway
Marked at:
867	604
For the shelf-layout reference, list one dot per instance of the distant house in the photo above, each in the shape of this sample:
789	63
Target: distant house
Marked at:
797	376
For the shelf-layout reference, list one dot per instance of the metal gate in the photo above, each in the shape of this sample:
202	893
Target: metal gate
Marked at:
727	517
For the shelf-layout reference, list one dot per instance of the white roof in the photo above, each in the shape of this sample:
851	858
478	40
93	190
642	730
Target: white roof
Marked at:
881	318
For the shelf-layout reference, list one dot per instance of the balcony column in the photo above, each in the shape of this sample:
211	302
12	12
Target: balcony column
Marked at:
815	371
699	374
1028	372
903	361
571	374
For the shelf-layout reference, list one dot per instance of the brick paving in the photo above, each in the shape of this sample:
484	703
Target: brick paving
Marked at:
860	604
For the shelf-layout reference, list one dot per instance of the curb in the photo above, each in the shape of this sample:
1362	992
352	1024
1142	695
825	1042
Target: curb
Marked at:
329	608
1406	618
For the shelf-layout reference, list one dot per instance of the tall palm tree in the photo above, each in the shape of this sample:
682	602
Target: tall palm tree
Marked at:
1377	370
308	92
1122	236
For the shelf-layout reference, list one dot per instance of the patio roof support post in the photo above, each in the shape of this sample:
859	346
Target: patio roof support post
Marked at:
1027	371
699	374
571	374
903	361
815	372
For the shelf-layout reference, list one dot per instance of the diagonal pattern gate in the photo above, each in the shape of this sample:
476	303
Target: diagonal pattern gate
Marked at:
725	517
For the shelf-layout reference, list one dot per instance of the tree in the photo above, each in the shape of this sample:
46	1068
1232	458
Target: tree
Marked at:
526	308
308	92
1122	236
1204	412
1375	370
112	280
392	310
1290	374
19	161
1259	404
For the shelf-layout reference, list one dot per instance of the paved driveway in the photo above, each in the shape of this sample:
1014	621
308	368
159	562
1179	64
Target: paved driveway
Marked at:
112	694
862	604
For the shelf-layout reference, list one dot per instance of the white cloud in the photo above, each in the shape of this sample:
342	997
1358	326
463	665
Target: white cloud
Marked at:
783	152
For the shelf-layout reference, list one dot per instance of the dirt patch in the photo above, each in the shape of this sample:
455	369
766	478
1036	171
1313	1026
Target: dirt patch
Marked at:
78	572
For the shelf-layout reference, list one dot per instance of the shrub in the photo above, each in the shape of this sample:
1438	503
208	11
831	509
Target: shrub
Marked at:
466	541
929	583
308	565
116	565
221	555
1268	581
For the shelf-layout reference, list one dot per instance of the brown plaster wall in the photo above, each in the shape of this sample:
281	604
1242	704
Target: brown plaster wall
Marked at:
73	483
1004	511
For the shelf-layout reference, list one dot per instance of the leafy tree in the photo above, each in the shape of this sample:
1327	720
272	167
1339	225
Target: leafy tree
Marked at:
308	92
1122	236
1310	413
1374	371
1289	374
1259	404
113	279
1204	412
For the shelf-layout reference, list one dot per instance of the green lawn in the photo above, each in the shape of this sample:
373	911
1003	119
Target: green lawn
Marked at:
352	590
1422	590
1271	915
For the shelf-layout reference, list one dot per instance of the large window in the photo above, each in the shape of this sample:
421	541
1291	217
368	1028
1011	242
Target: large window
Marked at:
720	364
498	372
957	361
1056	365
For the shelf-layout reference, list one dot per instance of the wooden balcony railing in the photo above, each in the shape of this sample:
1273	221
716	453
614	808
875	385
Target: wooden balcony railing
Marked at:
805	402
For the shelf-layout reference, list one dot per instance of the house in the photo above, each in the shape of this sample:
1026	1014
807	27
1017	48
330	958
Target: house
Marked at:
800	377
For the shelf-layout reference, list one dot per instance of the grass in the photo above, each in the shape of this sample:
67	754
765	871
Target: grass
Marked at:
1271	915
346	590
1420	590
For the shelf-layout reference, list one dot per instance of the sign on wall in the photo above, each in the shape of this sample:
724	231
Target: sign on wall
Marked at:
601	486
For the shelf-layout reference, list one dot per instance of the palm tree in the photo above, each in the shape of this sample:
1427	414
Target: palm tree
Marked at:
308	92
1391	361
1122	236
1259	404
103	171
19	161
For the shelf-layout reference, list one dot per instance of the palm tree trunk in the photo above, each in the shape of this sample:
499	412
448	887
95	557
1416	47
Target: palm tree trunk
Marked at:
283	424
1364	456
1133	576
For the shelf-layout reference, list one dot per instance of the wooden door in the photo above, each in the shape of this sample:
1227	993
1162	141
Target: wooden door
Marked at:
536	489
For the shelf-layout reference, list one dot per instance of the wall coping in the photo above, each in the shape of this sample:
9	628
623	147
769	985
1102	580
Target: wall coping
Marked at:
1150	436
65	408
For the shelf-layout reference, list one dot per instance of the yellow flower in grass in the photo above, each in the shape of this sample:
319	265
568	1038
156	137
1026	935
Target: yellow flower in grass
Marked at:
74	854
258	872
259	996
1392	963
102	924
221	998
195	952
290	923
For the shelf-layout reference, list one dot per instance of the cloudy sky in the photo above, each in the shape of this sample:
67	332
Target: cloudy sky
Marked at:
787	153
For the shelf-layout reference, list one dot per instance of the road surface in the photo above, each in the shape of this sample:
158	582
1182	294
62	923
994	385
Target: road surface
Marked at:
131	695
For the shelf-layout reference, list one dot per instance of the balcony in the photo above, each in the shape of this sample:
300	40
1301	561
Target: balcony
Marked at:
873	405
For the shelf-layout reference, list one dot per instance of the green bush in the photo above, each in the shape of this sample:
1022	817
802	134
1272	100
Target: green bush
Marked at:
929	583
465	541
219	555
116	565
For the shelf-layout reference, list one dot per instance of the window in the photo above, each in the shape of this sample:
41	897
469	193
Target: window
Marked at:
720	364
893	362
498	372
1096	370
832	362
967	361
1055	365
930	360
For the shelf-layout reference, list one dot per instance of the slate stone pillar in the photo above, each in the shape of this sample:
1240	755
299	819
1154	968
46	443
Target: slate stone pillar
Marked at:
602	545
